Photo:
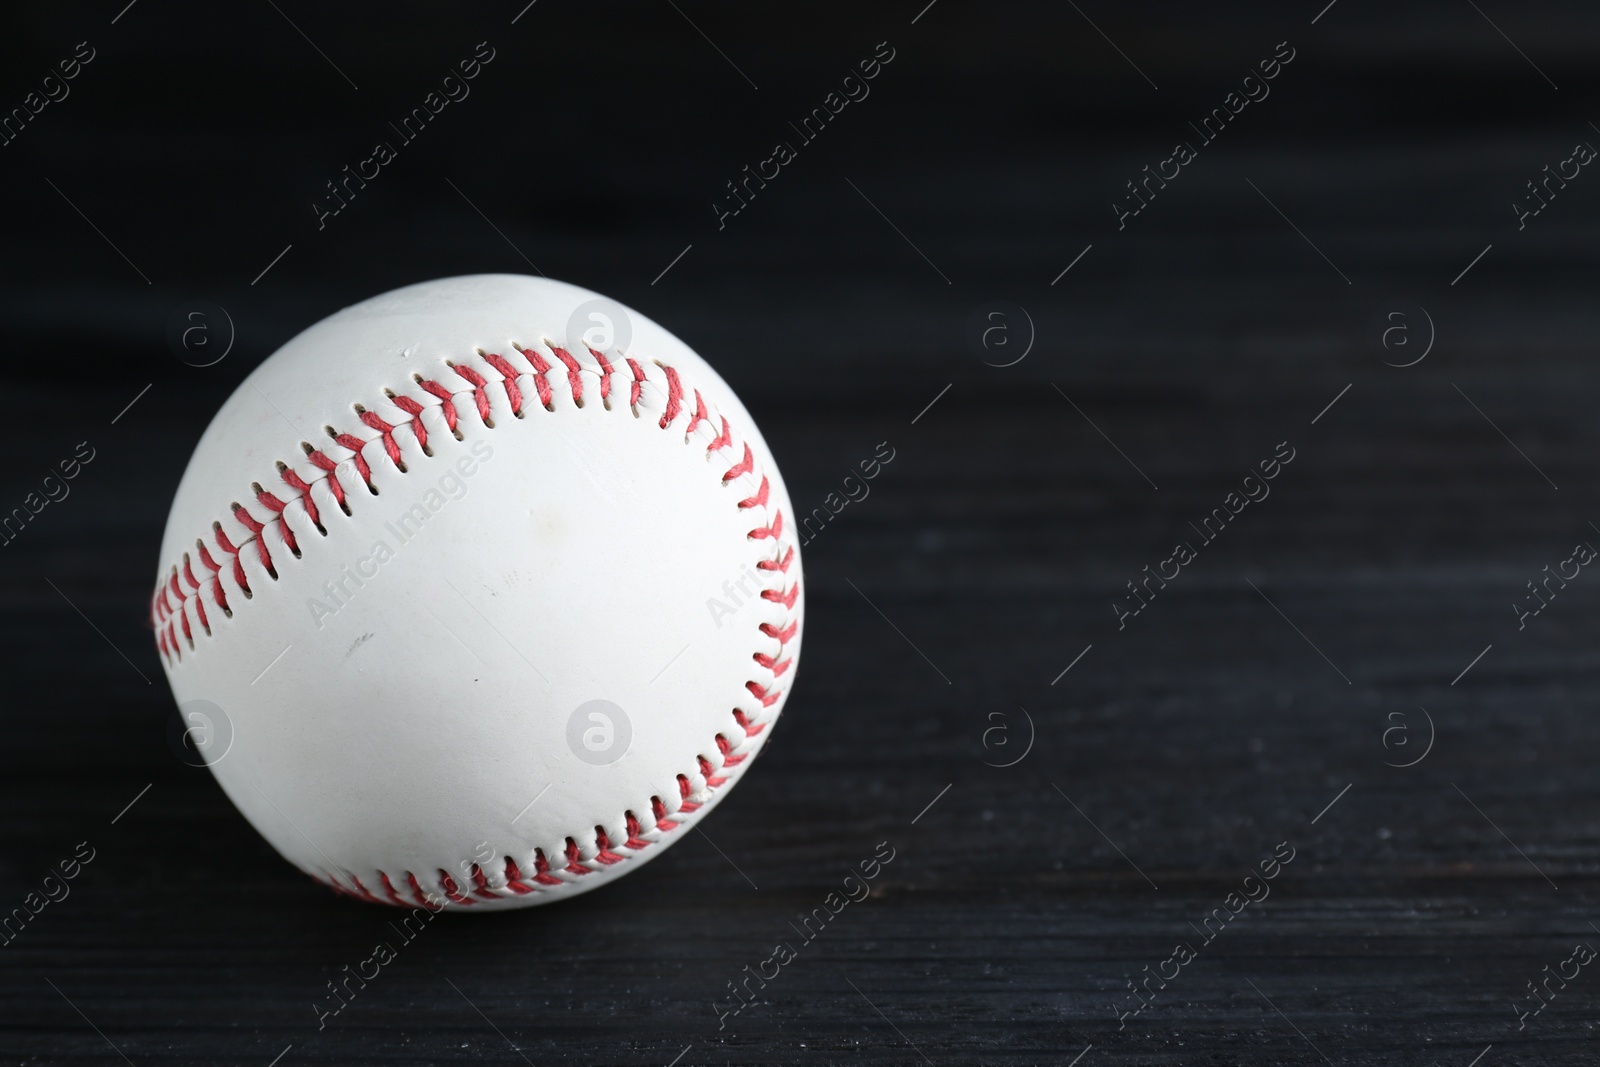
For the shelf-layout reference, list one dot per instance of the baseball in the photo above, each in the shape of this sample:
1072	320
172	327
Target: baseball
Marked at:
479	593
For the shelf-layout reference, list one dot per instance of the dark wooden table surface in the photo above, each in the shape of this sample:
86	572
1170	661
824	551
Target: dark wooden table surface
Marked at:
1057	832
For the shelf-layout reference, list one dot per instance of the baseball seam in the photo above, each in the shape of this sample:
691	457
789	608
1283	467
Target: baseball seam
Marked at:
181	592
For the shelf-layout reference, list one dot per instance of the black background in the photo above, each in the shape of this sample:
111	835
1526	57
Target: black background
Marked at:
1197	338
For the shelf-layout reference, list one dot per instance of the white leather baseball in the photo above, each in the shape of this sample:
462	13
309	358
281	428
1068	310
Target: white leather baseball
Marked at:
423	538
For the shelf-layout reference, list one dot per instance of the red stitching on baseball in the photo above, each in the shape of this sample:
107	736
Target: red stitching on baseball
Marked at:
447	403
274	505
768	697
760	499
216	584
603	843
303	487
659	810
390	446
541	868
706	772
414	409
685	791
238	567
783	636
514	880
723	439
635	841
574	379
200	610
388	887
451	890
479	396
637	385
416	887
541	369
356	444
744	466
674	397
508	378
480	882
774	530
605	374
786	599
325	463
249	522
700	413
772	663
